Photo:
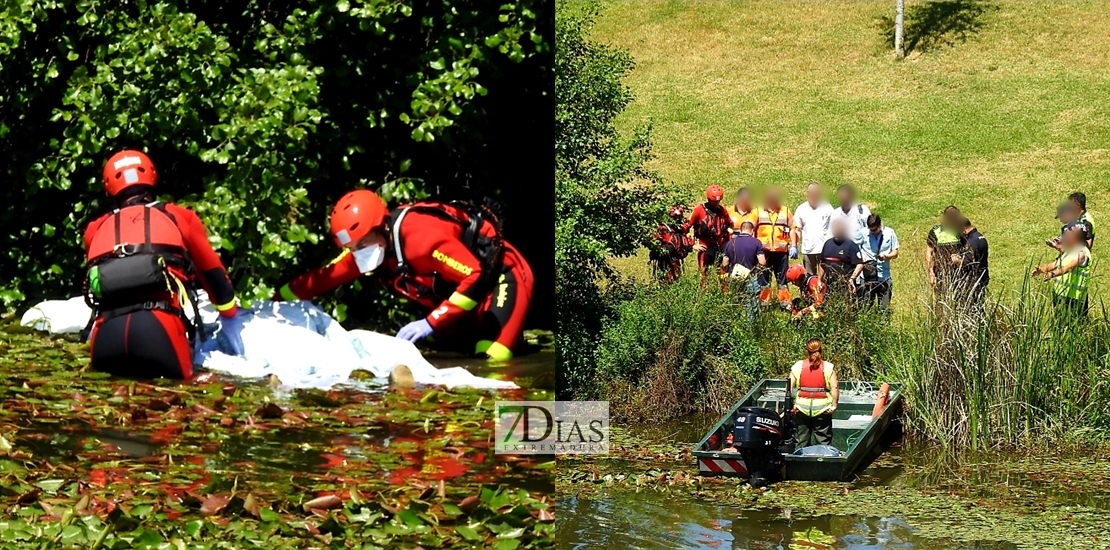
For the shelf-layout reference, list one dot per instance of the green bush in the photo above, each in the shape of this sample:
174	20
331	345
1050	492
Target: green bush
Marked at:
259	114
851	338
606	201
696	333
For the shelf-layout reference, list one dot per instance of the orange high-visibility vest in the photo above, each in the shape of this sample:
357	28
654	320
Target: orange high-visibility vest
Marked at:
773	229
738	218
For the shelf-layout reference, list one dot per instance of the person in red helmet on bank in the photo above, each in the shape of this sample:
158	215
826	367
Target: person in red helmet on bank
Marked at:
447	257
672	246
712	224
144	259
813	291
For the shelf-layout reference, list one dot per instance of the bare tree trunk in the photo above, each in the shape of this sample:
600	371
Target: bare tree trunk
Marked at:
899	33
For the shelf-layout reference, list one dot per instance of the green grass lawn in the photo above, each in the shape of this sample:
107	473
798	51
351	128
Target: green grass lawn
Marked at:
1000	108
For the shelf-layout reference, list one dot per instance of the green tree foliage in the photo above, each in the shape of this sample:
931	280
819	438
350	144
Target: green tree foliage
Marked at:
259	114
607	201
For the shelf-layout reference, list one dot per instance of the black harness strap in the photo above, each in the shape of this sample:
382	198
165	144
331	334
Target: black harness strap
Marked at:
163	305
488	251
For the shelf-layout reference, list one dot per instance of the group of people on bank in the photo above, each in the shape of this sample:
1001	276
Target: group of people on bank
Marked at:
846	251
146	259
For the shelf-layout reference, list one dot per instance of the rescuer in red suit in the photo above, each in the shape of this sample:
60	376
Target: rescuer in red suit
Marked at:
448	257
144	259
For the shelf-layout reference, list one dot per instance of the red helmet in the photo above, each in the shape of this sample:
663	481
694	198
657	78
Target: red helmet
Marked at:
795	274
127	168
678	213
356	215
714	193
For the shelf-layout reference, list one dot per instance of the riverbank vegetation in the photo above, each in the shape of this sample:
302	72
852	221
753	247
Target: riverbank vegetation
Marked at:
1012	372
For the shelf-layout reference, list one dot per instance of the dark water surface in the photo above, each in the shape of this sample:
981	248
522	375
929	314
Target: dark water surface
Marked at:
653	520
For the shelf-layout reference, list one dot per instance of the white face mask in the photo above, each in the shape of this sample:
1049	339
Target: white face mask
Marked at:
368	259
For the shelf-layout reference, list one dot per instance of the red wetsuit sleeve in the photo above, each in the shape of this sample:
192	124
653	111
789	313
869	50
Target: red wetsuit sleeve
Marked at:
432	245
90	231
307	286
210	270
696	217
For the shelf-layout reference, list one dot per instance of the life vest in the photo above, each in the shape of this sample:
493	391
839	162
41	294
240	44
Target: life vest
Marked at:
738	218
472	219
1073	284
814	289
811	387
134	265
676	244
716	225
773	229
944	237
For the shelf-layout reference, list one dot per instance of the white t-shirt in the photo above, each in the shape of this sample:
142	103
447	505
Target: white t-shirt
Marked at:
814	225
857	221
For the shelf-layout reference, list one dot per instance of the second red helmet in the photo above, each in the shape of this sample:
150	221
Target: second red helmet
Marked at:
714	193
355	215
795	273
128	168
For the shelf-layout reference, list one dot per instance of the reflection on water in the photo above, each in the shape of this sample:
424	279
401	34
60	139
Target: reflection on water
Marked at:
650	523
651	520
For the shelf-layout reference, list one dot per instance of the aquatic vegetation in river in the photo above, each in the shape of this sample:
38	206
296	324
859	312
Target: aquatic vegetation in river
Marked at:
91	461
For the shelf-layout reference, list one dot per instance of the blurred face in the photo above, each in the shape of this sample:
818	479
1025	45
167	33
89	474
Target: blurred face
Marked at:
1073	239
772	197
813	195
845	196
743	201
1069	214
839	229
951	221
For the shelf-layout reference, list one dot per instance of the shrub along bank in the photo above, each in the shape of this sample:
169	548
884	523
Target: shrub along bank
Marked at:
1010	373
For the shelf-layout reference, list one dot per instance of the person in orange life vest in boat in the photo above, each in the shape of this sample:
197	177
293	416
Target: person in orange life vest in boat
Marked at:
712	224
816	394
813	291
448	257
144	259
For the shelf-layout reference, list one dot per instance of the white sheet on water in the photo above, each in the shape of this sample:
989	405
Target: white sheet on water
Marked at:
296	341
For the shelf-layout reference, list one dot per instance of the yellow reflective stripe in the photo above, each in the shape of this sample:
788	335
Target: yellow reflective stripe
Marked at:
462	301
339	258
494	350
287	294
225	307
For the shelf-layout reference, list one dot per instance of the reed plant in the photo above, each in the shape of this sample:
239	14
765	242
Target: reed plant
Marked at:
1010	371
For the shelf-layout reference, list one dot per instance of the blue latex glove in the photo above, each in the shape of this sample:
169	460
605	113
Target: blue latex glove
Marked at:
793	252
230	327
415	331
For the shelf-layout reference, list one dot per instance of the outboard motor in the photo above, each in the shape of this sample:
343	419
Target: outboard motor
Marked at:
757	434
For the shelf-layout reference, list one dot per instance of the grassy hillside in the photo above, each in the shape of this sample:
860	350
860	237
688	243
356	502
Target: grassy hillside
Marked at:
1001	108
